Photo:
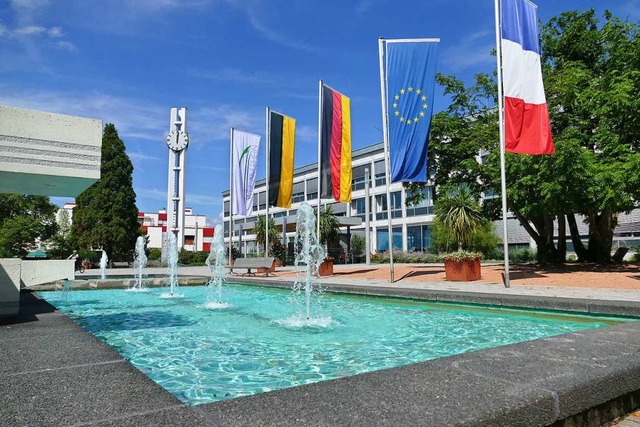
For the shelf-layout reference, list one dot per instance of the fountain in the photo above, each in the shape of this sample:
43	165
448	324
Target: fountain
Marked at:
309	254
103	265
216	262
139	263
172	260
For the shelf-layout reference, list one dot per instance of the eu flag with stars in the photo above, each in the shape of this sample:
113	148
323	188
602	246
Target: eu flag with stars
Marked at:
411	70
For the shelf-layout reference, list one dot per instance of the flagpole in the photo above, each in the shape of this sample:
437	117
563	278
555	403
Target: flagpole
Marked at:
385	138
267	154
503	174
231	195
320	94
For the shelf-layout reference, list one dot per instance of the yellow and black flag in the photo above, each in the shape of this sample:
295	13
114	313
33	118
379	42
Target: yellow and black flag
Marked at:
282	135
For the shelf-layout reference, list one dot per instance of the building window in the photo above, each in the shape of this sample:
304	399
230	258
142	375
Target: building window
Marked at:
358	209
226	208
358	182
188	240
423	207
312	189
396	205
382	238
378	167
298	192
381	206
262	199
418	238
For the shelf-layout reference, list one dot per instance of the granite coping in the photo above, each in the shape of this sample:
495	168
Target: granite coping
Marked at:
54	373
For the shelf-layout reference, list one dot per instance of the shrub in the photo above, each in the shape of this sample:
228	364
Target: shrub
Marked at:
460	256
154	254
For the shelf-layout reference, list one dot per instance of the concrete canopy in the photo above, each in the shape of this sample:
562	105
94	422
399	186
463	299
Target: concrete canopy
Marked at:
48	154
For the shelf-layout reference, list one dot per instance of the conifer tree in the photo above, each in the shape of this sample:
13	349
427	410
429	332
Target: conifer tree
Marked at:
105	216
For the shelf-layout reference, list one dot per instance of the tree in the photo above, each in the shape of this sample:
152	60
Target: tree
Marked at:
592	80
458	211
592	84
24	222
261	230
105	216
329	227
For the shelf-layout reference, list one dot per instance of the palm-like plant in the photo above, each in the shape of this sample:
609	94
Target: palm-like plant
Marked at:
459	211
329	227
261	230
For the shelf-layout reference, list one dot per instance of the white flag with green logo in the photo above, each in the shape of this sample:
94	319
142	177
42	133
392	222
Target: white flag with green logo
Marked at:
244	158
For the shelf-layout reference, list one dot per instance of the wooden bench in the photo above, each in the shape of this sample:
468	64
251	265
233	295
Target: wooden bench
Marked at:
250	264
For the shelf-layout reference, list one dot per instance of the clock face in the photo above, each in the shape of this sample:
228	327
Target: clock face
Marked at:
177	140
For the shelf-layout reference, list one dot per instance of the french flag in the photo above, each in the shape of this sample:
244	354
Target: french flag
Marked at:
527	128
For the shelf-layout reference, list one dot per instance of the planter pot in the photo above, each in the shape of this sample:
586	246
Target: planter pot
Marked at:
86	265
462	271
326	267
277	262
263	270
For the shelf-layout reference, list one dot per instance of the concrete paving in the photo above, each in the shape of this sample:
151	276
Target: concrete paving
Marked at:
54	373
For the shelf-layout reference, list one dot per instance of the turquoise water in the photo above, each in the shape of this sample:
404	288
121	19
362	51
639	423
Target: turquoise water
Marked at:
261	343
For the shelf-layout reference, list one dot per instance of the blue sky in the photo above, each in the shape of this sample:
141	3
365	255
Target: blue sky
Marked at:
129	61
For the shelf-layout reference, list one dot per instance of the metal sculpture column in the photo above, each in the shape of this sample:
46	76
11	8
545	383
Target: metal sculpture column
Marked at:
178	142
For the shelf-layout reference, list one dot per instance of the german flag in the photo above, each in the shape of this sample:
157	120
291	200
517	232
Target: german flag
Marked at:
335	146
282	134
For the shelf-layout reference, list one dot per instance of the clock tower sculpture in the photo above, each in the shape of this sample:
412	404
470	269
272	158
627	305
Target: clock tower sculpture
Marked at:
178	142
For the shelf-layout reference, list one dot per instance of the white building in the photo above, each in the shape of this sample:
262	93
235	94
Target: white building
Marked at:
411	226
197	235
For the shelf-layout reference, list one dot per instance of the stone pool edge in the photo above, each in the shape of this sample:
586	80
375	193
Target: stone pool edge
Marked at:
574	379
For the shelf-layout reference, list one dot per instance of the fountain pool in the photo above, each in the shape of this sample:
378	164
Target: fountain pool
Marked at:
202	355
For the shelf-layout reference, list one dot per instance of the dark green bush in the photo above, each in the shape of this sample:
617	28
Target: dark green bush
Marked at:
154	254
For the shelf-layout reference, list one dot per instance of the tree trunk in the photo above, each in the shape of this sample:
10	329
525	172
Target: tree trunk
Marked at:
561	254
542	235
578	247
601	227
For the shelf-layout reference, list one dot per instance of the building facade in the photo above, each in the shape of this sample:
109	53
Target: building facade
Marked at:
197	235
410	225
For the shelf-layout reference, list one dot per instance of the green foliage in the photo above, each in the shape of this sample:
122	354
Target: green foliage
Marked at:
460	256
25	220
358	244
458	211
592	77
105	215
278	250
154	254
191	258
235	253
483	240
261	230
329	227
405	257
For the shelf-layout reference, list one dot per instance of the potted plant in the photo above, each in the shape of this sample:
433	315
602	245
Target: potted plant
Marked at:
235	253
279	251
260	228
329	234
458	212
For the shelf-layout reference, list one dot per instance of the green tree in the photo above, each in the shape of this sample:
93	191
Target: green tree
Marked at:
261	230
105	216
24	222
592	82
329	227
458	211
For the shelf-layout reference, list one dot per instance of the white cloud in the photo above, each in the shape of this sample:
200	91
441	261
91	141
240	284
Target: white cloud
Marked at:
132	117
29	30
215	122
273	35
470	51
64	45
307	134
140	156
55	32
